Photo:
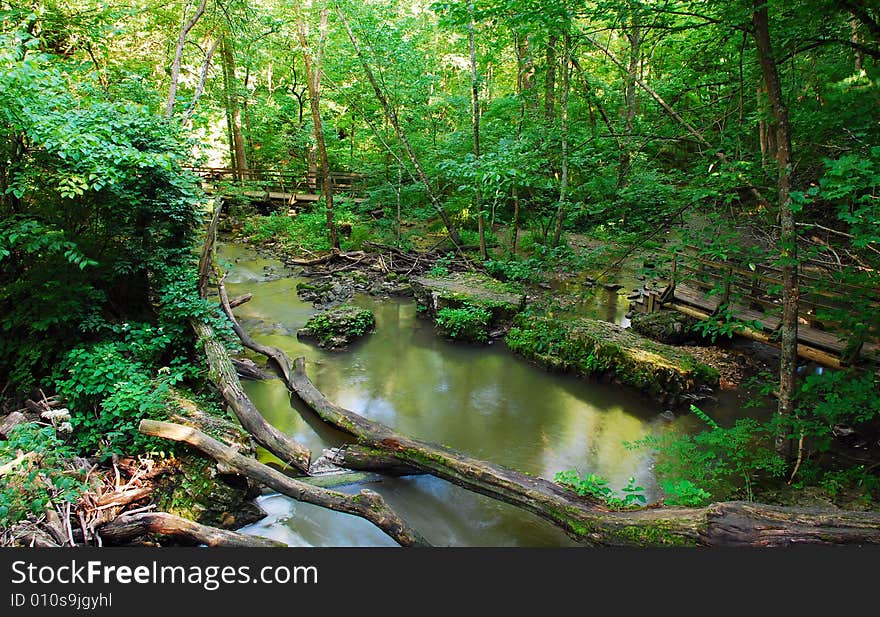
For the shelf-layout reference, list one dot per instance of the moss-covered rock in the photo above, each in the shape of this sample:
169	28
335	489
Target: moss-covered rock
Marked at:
670	327
338	327
592	347
467	305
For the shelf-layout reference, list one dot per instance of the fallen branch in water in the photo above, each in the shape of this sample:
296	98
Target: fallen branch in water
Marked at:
224	376
131	526
366	504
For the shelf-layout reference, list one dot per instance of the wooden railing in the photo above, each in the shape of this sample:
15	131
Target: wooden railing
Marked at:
838	316
284	181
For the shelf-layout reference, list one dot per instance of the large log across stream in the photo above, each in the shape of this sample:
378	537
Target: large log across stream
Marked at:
225	377
366	504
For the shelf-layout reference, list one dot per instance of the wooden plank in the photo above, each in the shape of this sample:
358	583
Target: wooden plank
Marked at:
821	340
694	297
768	322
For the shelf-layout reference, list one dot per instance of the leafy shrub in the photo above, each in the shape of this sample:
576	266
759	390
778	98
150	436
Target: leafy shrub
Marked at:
344	322
598	488
468	323
441	266
39	473
723	462
684	493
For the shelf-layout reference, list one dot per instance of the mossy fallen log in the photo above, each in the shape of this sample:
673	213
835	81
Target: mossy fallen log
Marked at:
593	347
223	374
129	527
366	504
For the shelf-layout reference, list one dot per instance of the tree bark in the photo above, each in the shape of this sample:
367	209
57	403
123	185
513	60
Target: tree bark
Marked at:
788	233
233	109
634	36
563	180
366	504
313	80
206	259
475	116
203	79
391	114
550	80
185	27
10	422
128	527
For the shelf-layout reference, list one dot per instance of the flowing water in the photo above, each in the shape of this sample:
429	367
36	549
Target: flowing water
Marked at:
480	400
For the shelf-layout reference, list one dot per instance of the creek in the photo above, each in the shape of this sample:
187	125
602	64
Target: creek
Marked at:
481	400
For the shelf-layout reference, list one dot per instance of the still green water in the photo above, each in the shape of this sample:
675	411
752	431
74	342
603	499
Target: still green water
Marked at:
481	400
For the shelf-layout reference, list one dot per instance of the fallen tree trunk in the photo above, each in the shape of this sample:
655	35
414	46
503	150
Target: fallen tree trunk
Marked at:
223	374
131	526
360	458
246	369
239	300
586	521
736	523
366	504
10	422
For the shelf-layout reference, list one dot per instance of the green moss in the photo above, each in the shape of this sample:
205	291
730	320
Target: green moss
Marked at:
468	323
339	326
654	535
590	346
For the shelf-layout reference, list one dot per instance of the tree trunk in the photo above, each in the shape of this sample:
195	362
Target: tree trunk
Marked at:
366	504
563	180
129	527
550	80
223	374
475	114
857	39
185	27
313	79
233	109
634	36
788	234
203	79
391	115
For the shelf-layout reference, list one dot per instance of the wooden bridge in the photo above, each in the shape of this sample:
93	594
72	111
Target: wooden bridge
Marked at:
833	329
281	187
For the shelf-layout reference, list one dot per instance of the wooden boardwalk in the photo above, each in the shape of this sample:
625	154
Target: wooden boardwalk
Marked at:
705	289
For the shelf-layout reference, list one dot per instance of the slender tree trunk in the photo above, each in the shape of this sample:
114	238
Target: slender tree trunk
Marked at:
313	79
391	114
233	109
475	111
788	234
185	27
856	38
634	36
563	179
245	110
550	79
203	79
